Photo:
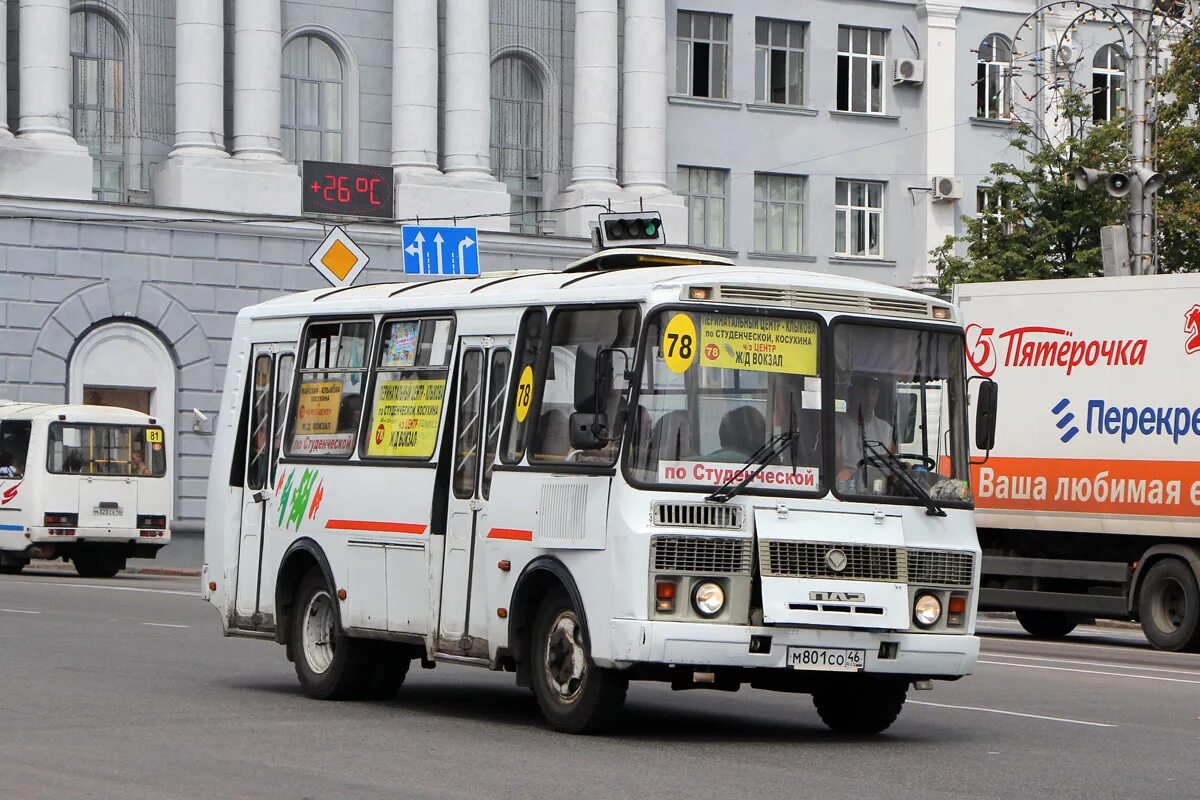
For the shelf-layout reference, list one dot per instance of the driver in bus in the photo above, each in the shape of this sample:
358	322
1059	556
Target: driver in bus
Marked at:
743	431
856	427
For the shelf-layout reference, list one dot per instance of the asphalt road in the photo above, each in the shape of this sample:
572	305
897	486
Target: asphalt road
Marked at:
126	689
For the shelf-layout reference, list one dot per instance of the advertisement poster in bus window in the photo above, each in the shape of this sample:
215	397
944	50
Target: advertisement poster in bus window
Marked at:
316	431
404	419
760	344
400	347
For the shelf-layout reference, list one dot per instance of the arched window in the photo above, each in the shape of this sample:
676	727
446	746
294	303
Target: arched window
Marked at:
98	100
517	154
993	79
1108	83
312	103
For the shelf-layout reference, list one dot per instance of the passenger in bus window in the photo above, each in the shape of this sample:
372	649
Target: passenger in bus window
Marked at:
256	474
742	432
138	465
349	413
7	469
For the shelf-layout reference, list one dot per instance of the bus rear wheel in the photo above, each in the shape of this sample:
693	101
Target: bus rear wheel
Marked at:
861	706
1046	624
331	665
1169	606
13	568
574	695
97	566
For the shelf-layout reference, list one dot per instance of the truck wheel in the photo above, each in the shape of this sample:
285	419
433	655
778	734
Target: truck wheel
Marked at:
1169	606
863	706
329	664
95	567
574	695
1046	624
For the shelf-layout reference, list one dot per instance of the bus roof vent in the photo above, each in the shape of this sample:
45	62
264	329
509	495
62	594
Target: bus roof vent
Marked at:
822	300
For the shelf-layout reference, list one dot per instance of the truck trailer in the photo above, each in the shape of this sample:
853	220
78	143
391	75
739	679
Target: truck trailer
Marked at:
1089	504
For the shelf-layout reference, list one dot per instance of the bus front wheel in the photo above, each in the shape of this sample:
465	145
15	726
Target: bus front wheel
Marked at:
97	566
863	706
574	695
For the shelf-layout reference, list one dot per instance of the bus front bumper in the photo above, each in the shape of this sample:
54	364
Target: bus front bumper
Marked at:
712	645
43	535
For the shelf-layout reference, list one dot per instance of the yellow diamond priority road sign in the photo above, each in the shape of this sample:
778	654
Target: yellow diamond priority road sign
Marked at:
338	258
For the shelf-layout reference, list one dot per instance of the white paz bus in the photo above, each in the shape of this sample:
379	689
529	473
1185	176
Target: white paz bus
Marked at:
653	465
81	483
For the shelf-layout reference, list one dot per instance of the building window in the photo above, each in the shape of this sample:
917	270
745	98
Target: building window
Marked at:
779	62
702	54
860	70
858	220
704	192
990	208
517	155
1108	83
778	213
993	79
313	97
98	103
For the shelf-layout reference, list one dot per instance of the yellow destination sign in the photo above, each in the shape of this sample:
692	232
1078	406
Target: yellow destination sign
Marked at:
404	420
760	344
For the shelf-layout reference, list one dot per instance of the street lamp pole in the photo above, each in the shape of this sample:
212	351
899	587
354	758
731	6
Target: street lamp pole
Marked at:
1141	161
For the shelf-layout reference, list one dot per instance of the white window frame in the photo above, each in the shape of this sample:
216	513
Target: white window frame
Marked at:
717	53
990	207
526	201
112	121
707	200
1114	80
793	58
764	204
846	212
350	84
858	61
993	79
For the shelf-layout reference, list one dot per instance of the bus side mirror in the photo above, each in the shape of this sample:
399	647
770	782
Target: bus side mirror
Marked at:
985	415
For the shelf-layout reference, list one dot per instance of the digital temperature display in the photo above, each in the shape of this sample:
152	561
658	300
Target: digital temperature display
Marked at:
350	190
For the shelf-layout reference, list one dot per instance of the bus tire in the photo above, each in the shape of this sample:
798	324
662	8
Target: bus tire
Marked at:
1046	624
574	695
862	706
329	664
1169	606
389	668
97	566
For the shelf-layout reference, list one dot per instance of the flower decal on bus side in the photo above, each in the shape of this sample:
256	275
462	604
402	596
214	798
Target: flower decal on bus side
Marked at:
297	498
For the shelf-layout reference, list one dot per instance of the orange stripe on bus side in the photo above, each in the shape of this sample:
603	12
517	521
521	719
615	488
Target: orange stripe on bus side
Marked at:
371	525
514	534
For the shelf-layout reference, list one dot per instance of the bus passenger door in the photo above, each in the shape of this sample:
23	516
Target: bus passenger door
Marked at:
268	389
482	385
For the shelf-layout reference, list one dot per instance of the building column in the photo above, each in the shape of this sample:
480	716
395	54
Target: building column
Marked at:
200	79
414	85
644	107
938	100
257	66
594	151
44	160
468	89
5	133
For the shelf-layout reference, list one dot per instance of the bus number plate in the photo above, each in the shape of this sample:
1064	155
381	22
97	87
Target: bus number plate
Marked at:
826	659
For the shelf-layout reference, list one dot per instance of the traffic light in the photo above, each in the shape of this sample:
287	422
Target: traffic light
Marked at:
631	230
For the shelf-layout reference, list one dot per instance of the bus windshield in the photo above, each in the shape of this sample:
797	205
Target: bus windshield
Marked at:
103	449
720	391
716	388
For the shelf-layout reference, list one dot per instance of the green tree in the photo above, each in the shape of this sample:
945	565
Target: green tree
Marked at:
1041	226
1178	158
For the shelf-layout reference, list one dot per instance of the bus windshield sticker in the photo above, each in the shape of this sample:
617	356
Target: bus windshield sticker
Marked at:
316	419
400	349
524	394
760	344
679	343
404	420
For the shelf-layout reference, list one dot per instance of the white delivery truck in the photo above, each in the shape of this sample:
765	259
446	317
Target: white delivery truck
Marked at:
1089	504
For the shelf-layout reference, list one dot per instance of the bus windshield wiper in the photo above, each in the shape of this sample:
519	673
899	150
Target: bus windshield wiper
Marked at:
759	460
888	461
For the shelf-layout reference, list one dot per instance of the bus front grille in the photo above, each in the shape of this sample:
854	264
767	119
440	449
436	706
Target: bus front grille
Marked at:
860	562
697	515
709	555
941	568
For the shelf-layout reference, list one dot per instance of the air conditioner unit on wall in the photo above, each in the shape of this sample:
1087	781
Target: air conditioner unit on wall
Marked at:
947	188
908	70
1068	54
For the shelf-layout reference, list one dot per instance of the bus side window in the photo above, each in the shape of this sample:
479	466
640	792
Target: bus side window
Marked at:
520	422
14	448
328	404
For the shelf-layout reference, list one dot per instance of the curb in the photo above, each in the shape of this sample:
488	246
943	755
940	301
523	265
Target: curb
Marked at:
177	572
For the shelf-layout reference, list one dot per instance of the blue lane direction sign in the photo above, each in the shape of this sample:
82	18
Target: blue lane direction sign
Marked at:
440	251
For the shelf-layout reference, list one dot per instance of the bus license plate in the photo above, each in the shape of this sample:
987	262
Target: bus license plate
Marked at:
826	659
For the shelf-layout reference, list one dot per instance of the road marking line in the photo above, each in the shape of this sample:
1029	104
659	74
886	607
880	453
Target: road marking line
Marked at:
1089	672
109	588
163	625
19	611
1014	714
1099	664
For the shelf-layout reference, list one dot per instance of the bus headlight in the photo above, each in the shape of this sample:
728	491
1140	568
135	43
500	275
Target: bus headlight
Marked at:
927	610
708	599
